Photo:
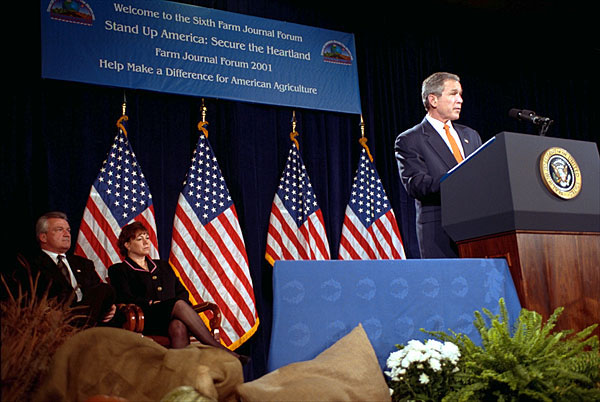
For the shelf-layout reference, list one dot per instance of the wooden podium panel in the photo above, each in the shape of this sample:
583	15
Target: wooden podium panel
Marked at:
550	270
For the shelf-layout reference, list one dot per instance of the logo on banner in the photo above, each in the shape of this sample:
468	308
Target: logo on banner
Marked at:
336	52
75	11
560	173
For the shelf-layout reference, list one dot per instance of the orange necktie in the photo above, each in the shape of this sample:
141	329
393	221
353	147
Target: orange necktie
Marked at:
453	144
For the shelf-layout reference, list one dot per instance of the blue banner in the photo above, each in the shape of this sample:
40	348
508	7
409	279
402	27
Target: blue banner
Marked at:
177	48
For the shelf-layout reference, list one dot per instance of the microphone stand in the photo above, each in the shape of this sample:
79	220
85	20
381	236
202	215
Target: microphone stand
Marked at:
544	127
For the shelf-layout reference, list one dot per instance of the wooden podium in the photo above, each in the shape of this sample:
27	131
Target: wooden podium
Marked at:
507	200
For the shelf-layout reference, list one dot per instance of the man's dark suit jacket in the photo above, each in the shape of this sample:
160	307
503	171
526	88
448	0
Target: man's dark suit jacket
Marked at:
50	274
98	296
423	159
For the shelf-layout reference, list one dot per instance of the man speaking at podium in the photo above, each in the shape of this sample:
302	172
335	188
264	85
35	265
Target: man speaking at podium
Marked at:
429	150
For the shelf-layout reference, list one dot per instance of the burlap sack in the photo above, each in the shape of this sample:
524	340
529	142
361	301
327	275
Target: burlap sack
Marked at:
347	371
110	361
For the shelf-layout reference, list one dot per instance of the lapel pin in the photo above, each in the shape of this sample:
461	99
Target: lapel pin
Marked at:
467	141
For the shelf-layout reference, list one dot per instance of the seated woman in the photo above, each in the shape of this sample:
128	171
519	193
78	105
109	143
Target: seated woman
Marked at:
152	285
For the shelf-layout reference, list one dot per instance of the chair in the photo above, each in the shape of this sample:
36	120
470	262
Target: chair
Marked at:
134	320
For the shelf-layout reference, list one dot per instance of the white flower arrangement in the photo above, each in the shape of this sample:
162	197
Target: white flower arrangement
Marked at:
422	371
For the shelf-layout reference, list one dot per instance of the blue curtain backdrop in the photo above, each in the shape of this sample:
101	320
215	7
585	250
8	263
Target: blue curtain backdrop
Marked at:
59	132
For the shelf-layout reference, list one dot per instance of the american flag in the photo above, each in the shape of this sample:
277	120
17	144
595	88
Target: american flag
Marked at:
207	248
370	230
119	196
296	226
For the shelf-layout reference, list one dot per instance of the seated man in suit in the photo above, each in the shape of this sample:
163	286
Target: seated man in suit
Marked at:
427	151
64	274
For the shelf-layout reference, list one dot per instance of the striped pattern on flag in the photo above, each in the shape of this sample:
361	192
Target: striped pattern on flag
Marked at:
119	196
296	226
207	248
370	231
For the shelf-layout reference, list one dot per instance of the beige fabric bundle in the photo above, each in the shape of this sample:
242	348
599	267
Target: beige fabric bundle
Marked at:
347	371
110	361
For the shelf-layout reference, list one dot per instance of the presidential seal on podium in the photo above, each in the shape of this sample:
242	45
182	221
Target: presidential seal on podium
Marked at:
560	173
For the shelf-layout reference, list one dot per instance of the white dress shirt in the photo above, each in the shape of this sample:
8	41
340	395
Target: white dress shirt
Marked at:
439	127
73	280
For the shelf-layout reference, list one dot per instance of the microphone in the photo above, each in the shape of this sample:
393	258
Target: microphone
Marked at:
528	115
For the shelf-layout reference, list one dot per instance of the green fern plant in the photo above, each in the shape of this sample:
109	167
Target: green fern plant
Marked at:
530	363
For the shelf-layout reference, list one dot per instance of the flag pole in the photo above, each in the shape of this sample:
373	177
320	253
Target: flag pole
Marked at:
203	123
362	127
294	133
293	121
123	116
363	139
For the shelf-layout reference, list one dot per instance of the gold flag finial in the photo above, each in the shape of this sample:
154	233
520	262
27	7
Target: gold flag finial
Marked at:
363	139
362	126
203	123
293	121
294	133
203	111
123	116
124	105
